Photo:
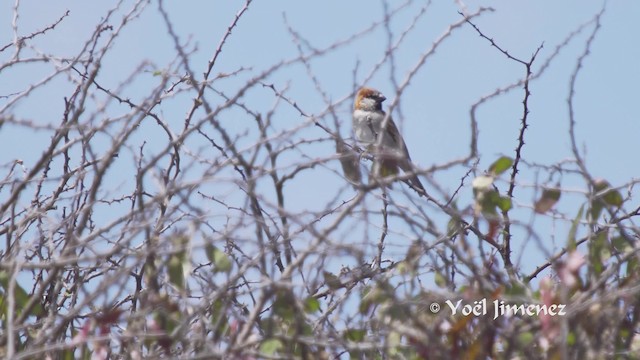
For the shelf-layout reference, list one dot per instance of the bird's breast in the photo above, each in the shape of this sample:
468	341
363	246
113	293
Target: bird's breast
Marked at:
366	126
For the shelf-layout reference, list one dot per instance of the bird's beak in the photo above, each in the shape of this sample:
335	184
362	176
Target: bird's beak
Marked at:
382	98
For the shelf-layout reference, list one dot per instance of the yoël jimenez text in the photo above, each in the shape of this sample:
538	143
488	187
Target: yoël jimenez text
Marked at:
501	308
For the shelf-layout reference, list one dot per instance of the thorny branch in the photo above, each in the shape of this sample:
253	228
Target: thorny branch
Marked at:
128	232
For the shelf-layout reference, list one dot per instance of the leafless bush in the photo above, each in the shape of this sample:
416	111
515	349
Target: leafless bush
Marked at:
190	211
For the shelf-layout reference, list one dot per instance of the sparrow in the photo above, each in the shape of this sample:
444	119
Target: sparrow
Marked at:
368	122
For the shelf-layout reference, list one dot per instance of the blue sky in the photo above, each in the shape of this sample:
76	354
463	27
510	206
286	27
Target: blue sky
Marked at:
434	109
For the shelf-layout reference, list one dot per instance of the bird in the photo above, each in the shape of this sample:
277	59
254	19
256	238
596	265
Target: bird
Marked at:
390	152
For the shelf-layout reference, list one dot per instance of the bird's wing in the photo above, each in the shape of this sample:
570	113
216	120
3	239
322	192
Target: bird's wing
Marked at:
397	139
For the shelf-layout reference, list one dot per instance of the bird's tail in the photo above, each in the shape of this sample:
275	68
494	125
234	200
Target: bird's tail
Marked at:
414	180
384	167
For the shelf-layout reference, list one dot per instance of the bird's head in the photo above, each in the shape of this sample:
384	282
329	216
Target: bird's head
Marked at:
369	99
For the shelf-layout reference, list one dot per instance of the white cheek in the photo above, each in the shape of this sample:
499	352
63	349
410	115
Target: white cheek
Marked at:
359	116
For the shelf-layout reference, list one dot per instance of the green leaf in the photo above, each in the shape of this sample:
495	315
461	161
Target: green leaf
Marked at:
210	250
397	311
632	267
3	307
598	252
604	195
67	354
415	251
486	204
270	347
394	343
440	280
525	339
620	244
453	226
20	295
515	290
218	258
504	203
596	209
311	305
283	305
501	165
549	198
219	318
372	296
176	271
571	241
355	335
613	198
366	300
402	267
167	319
